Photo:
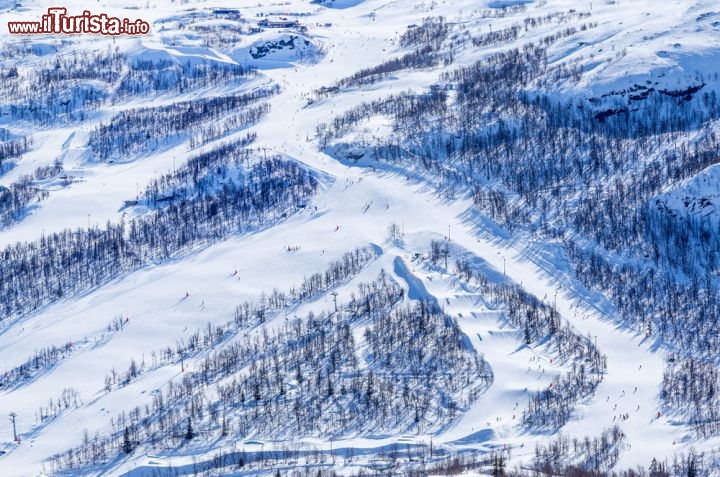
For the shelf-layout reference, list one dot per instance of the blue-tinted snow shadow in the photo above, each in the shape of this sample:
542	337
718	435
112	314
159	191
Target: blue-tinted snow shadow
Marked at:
508	3
555	264
416	289
338	4
483	435
321	456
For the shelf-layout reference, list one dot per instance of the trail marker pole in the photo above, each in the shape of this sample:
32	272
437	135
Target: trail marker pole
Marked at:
12	418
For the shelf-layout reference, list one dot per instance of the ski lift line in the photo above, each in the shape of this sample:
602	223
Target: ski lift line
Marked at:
554	275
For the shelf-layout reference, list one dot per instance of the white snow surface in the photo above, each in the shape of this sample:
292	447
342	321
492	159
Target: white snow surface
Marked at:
668	40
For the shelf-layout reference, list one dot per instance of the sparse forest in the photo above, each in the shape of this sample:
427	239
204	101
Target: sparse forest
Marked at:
365	168
310	377
79	260
592	184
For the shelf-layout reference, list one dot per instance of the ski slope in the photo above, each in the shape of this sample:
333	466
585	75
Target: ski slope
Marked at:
355	206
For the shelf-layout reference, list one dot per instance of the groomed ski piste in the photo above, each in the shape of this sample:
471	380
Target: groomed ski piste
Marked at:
392	209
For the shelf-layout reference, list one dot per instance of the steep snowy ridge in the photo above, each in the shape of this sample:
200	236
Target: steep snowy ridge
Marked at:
380	236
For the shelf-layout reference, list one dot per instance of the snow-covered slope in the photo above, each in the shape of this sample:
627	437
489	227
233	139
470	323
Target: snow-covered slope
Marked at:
215	174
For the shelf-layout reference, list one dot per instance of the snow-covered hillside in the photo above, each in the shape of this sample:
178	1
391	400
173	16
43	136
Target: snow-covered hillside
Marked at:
362	237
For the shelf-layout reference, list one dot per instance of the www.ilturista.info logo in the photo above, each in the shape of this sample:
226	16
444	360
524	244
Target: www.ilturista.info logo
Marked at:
57	21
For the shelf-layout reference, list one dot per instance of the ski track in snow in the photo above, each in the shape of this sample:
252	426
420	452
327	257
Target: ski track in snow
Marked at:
152	298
